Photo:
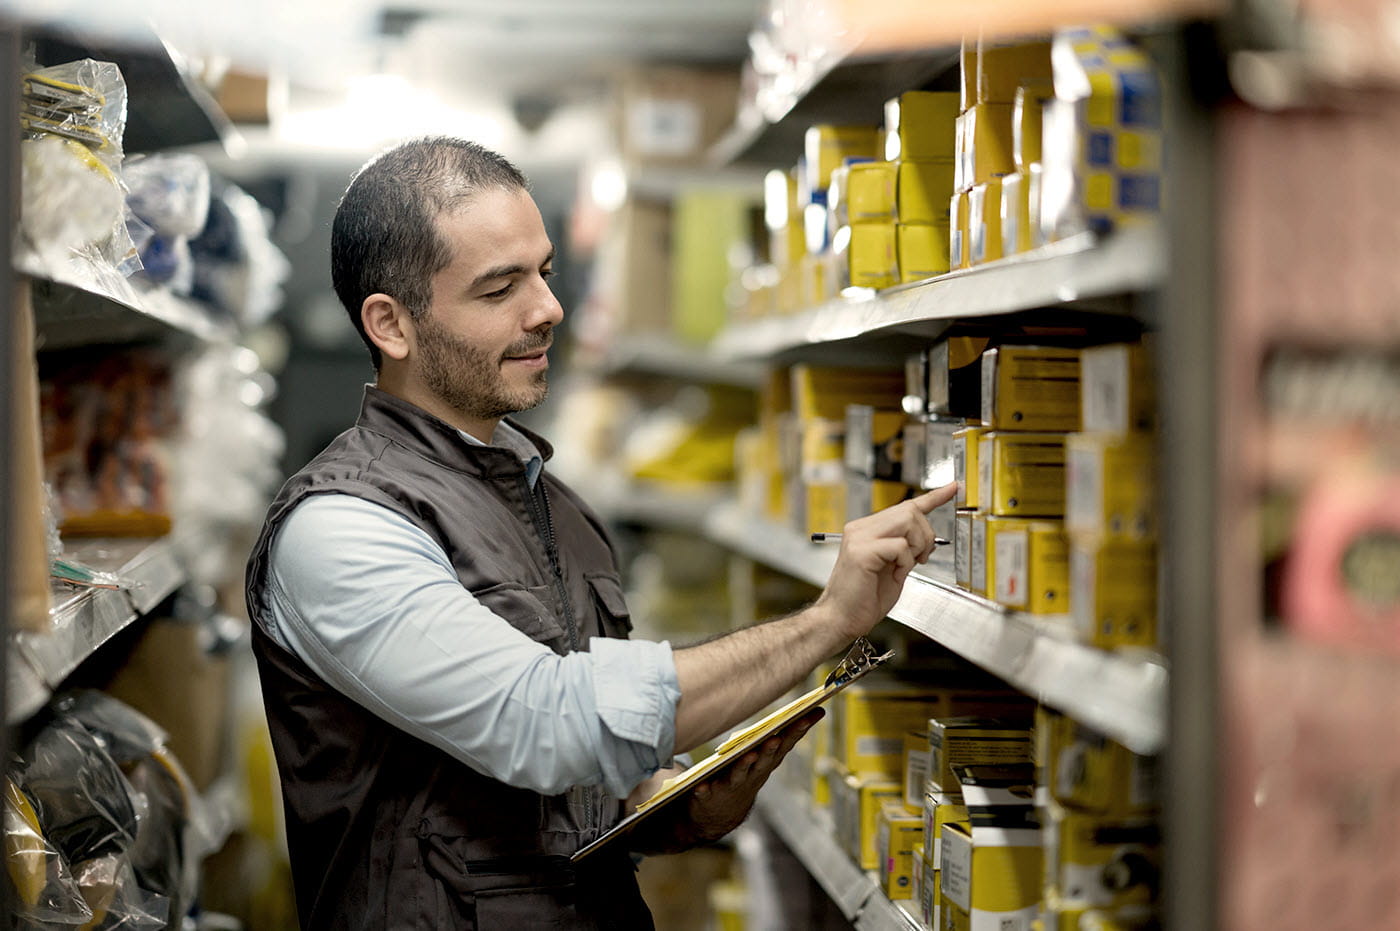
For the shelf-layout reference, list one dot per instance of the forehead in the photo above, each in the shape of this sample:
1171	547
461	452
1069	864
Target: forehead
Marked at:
493	226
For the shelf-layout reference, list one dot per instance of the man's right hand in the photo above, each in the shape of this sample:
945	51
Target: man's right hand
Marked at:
877	554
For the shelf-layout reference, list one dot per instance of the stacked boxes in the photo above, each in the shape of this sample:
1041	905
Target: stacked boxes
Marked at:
861	206
828	148
920	143
874	459
991	869
1110	500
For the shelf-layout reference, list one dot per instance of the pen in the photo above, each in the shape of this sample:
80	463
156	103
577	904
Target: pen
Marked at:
836	538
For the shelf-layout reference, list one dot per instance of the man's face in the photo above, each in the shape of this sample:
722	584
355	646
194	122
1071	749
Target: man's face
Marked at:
480	347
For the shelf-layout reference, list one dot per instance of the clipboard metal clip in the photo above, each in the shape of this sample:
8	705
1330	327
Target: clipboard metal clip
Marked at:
859	660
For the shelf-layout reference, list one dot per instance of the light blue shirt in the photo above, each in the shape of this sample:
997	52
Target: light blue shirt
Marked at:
371	603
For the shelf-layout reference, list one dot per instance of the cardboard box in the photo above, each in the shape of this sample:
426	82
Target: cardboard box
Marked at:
923	250
870	192
1002	68
961	247
1085	771
898	833
671	116
991	872
824	391
1026	117
987	151
1028	564
940	808
974	741
977	554
1119	389
1021	474
962	550
1111	485
939	451
916	758
1015	214
1113	592
1102	861
856	810
965	468
874	446
955	376
865	496
924	191
919	125
984	221
967	73
915	438
1030	388
826	146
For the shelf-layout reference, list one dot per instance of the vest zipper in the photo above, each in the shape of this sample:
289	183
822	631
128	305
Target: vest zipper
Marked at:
539	498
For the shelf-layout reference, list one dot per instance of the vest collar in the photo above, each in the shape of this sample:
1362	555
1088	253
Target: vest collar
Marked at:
382	412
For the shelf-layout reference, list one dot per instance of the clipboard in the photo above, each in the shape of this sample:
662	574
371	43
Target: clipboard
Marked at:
861	659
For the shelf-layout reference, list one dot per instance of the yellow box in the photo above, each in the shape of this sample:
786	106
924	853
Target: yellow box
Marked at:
1111	485
955	376
977	553
940	808
923	191
970	741
1119	389
897	834
858	811
869	255
1001	69
1030	388
991	877
866	496
967	73
1015	214
915	768
1026	114
1028	564
1021	474
874	441
930	906
826	506
987	143
965	448
870	719
827	146
1085	771
823	391
870	192
960	251
919	125
962	549
1103	861
984	221
1113	592
923	249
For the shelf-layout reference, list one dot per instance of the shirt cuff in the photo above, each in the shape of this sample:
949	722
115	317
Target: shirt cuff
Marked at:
636	690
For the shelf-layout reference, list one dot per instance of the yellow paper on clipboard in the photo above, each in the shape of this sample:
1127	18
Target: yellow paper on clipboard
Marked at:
860	660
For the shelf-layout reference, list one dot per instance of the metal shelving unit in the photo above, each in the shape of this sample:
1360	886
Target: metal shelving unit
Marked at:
82	620
664	356
1075	270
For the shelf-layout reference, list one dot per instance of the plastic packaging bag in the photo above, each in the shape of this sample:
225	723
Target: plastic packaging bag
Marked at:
170	192
42	886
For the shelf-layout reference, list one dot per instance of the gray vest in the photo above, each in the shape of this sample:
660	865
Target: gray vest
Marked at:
384	830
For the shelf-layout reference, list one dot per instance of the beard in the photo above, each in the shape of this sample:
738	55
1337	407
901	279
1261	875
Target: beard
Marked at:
469	379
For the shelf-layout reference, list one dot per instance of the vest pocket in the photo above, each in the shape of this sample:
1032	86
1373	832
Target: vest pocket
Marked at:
498	894
613	617
526	610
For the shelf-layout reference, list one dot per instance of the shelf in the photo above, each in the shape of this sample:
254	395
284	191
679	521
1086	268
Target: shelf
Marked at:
1081	268
1121	695
666	357
809	835
620	499
83	620
78	303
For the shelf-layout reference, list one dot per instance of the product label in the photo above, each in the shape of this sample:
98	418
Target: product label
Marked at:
915	775
1084	490
985	469
978	556
1083	585
956	869
960	469
1105	386
962	551
990	362
1012	556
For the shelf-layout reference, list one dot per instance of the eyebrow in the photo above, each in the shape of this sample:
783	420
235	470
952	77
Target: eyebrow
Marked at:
505	271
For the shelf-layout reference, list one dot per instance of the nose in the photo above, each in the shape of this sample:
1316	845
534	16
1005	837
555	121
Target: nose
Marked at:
546	309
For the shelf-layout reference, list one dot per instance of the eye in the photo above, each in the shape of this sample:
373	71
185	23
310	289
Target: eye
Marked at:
499	292
547	273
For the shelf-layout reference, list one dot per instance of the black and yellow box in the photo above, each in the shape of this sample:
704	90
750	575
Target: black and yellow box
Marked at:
1021	474
856	805
955	376
974	741
898	833
919	125
991	871
875	442
1102	860
940	808
1111	485
1119	391
1028	564
1031	388
1085	771
1113	592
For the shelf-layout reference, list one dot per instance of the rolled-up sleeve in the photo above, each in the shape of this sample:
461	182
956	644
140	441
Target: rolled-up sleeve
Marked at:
370	602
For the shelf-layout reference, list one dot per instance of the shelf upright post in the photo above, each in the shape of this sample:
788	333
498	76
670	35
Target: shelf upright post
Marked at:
1188	393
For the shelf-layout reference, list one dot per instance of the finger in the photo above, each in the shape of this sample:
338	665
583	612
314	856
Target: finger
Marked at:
929	500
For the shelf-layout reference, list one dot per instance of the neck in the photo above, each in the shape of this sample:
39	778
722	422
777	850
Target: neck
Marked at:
399	384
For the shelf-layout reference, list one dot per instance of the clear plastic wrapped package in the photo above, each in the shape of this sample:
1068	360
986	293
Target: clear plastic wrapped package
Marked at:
42	886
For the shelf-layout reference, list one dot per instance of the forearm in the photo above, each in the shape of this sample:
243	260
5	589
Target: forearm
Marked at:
727	680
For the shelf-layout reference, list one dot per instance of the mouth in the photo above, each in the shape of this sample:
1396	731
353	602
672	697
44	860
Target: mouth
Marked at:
535	357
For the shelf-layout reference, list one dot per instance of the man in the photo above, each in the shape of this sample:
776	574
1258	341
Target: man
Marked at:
439	622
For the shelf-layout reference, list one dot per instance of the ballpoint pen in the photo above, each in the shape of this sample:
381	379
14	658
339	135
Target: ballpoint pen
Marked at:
836	538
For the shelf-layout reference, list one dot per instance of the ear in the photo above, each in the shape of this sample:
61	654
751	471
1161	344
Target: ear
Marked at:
388	324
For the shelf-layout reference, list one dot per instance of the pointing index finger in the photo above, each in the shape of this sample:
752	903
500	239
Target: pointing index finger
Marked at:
929	500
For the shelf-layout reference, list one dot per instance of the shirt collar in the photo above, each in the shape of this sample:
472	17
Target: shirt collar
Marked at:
507	437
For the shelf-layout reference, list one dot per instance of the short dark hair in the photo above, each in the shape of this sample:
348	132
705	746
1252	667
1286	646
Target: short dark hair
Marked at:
385	238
